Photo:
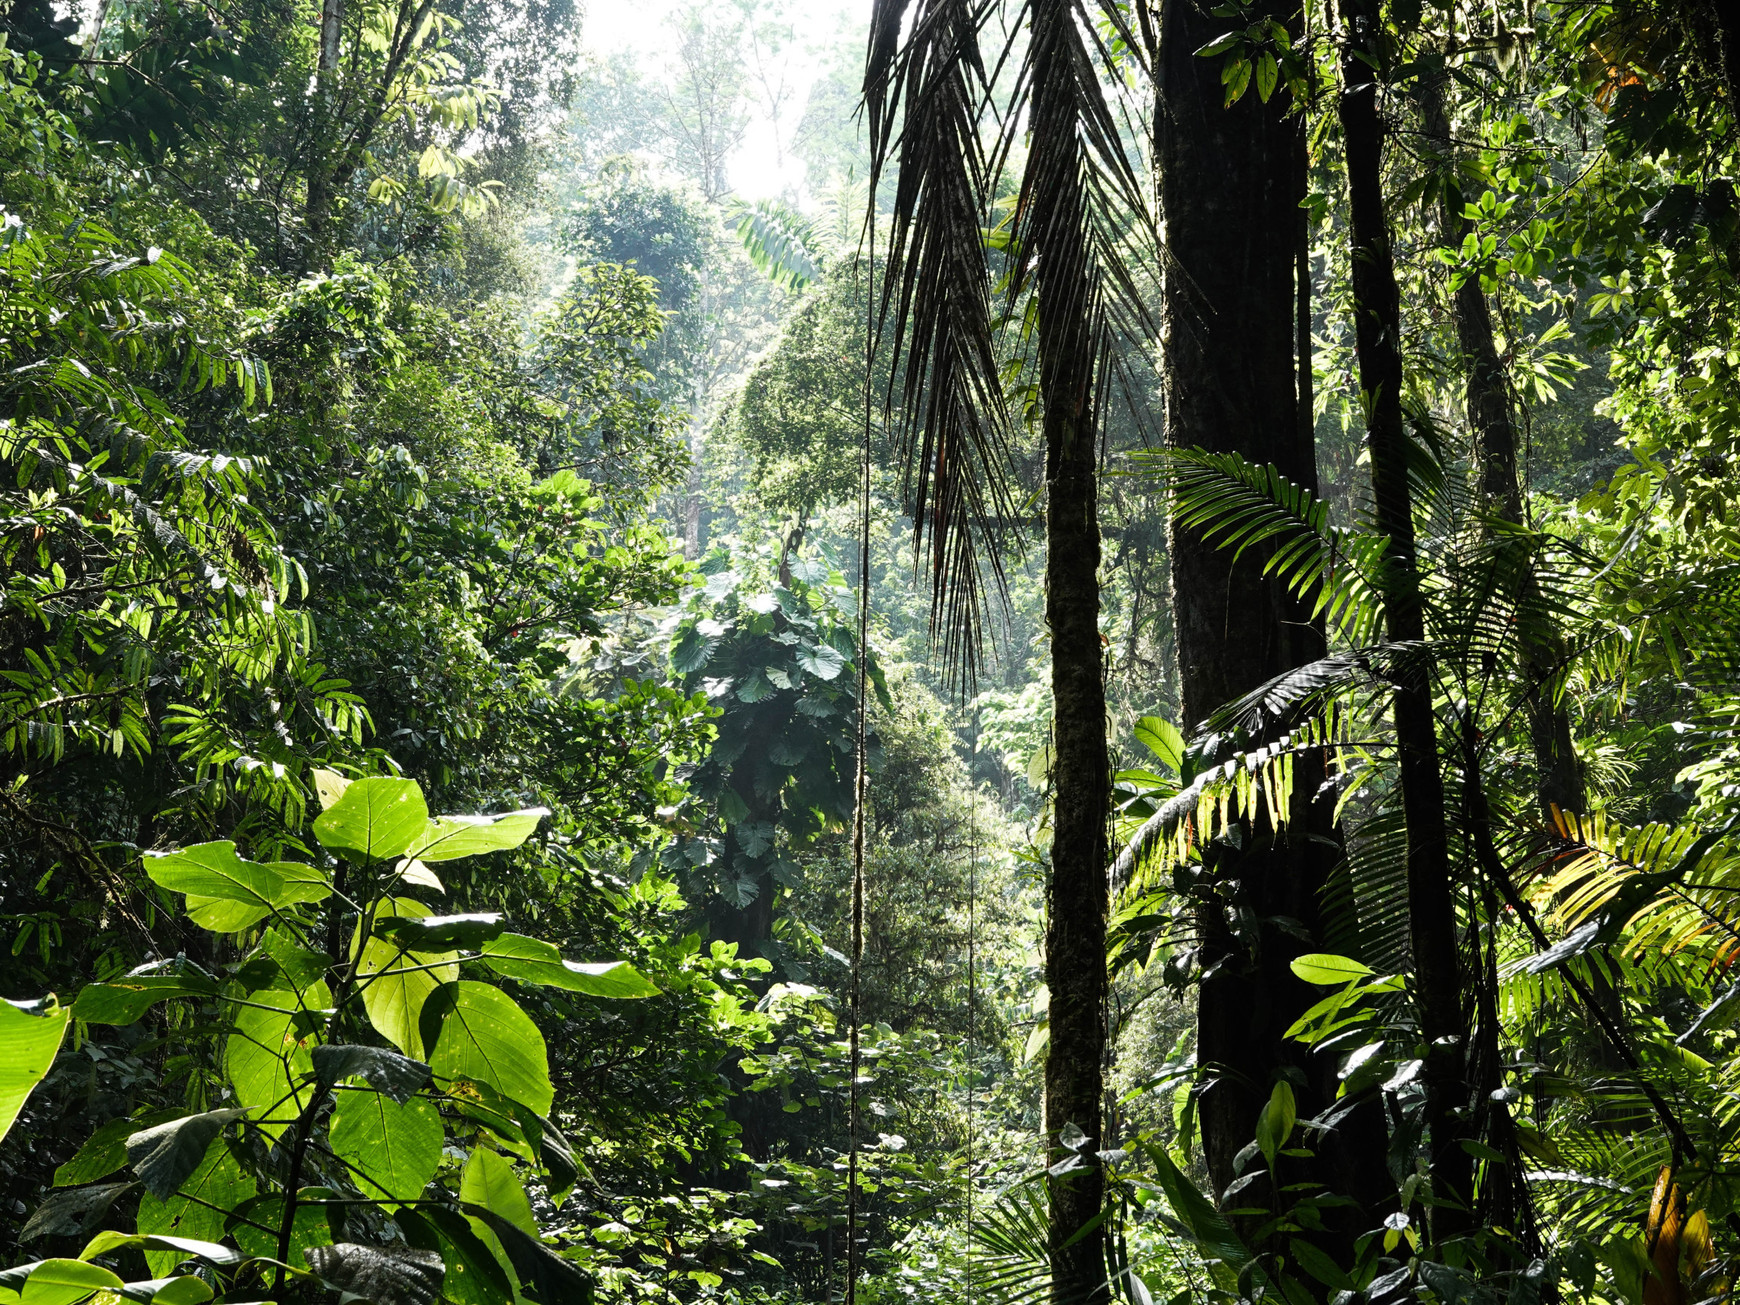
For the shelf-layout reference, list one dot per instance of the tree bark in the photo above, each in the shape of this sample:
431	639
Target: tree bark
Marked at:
1559	773
1235	360
1075	939
1377	339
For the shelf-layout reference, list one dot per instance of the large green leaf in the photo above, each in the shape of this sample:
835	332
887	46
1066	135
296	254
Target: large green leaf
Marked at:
1322	968
73	1211
55	1282
105	1150
197	1208
395	1148
225	893
394	986
435	932
125	1000
489	1180
30	1034
267	1053
485	1037
164	1156
311	1227
374	819
447	838
475	1275
532	960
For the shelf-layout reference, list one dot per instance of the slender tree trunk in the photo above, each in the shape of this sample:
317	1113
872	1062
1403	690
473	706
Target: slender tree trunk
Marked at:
1235	358
318	210
1377	338
1075	938
1559	774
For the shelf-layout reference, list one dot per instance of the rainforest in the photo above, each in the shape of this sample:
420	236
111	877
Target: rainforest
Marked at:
869	652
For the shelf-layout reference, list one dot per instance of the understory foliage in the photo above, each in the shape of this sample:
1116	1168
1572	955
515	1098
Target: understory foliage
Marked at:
400	415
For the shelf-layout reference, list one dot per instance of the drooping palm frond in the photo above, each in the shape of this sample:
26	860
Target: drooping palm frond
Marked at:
924	97
784	245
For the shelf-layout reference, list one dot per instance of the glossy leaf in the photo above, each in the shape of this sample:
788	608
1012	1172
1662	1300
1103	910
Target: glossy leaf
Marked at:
225	893
436	932
395	1148
532	960
484	1036
1321	968
373	819
394	984
30	1035
124	1001
447	838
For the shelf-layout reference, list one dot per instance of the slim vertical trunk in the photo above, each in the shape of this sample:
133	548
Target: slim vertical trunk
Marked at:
320	165
1235	359
1075	938
1377	338
1559	774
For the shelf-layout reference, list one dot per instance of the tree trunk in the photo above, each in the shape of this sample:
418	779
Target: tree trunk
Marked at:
1235	359
1377	339
1075	938
318	210
1559	774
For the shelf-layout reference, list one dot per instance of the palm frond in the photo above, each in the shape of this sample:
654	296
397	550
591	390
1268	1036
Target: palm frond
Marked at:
923	98
1243	505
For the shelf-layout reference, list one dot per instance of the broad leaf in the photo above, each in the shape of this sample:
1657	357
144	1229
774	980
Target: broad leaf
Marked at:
329	786
379	1274
73	1212
474	1275
1163	739
394	986
395	1148
311	1227
437	932
532	960
106	1149
187	1248
489	1180
267	1053
374	819
544	1275
399	1077
1322	968
447	838
196	1211
821	661
125	1000
226	894
55	1282
485	1037
165	1156
30	1034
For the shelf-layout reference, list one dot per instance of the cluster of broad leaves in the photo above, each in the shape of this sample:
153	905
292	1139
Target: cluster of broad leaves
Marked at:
383	1100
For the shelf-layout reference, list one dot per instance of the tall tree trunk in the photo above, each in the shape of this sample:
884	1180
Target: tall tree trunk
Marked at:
1559	774
1235	359
318	209
1377	339
1075	936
